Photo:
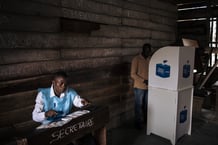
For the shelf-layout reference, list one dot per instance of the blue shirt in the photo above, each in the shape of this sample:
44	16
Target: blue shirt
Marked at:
46	100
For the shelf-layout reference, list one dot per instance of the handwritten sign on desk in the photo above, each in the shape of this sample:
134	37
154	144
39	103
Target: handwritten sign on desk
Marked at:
60	134
76	125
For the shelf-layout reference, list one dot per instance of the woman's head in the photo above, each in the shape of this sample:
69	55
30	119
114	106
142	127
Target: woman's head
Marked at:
59	83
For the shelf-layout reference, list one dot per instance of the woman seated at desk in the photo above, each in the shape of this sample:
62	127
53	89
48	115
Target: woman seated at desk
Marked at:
57	101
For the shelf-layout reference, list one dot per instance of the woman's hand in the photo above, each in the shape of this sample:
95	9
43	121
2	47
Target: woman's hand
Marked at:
50	113
85	102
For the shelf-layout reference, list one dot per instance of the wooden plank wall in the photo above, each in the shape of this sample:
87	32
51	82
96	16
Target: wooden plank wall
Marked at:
193	19
35	42
192	23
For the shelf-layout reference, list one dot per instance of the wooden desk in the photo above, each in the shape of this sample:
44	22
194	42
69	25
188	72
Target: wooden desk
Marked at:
93	122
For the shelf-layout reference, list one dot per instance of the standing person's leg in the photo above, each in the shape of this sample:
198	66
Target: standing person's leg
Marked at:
139	94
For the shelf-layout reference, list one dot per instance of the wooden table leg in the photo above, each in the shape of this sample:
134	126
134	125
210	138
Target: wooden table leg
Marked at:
22	141
100	136
216	103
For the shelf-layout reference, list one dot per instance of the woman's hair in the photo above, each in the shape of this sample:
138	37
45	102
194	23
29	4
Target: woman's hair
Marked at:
60	74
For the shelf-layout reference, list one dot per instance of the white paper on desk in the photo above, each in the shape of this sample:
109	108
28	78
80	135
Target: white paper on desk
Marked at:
77	113
64	120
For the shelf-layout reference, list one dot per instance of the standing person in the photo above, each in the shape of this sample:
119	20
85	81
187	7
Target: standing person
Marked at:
57	101
139	74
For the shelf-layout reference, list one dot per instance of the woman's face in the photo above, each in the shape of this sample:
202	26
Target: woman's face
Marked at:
59	84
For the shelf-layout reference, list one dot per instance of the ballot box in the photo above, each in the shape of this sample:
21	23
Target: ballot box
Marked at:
170	92
171	68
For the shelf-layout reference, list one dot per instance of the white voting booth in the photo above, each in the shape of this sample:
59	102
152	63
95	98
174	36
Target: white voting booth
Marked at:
170	93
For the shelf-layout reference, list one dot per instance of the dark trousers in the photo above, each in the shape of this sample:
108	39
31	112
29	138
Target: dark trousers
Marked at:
141	101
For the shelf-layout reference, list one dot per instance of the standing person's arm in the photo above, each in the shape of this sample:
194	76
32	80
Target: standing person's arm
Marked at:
134	71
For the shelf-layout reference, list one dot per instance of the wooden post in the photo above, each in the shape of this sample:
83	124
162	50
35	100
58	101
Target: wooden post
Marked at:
216	103
100	136
22	141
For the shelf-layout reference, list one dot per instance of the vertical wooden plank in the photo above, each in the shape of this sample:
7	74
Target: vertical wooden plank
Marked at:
216	103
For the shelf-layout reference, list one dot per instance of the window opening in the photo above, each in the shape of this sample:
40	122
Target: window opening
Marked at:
213	41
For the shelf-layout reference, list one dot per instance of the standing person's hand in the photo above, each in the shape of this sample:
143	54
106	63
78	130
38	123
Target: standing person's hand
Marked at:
146	82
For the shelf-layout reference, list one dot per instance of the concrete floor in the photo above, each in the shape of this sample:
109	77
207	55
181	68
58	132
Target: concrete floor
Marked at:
204	132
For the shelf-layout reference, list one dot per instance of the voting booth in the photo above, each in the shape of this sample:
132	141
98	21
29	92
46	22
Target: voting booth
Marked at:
170	92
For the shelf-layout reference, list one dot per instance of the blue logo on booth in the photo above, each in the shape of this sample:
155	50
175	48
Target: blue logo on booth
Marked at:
183	115
163	70
186	70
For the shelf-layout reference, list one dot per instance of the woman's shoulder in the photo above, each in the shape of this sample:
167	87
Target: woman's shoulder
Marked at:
71	90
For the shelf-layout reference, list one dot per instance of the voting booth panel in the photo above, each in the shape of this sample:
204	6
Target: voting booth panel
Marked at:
170	92
174	65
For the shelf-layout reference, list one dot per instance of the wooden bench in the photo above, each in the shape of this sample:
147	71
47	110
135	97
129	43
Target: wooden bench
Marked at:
17	101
